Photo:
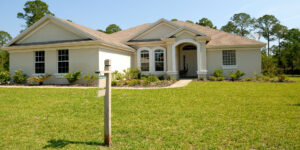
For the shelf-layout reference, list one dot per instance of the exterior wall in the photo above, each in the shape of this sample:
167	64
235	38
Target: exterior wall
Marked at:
50	32
84	59
120	60
247	60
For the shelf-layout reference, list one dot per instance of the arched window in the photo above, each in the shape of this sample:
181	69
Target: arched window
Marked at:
159	60
144	60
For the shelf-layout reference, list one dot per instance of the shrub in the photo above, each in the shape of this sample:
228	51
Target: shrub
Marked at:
220	78
143	78
115	83
282	78
237	75
257	77
248	79
162	77
19	77
117	75
212	78
146	82
131	73
38	79
266	78
152	78
173	79
73	77
218	73
90	78
4	77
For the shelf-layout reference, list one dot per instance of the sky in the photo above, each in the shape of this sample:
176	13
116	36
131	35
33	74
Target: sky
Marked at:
98	14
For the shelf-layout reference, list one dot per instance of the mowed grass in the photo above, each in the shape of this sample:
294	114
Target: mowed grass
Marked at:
203	115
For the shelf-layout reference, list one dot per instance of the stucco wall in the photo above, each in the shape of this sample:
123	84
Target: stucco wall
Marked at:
157	32
50	32
120	60
84	59
248	61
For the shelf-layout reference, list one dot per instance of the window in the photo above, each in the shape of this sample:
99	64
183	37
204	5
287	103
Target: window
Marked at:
144	60
63	61
159	60
40	62
229	58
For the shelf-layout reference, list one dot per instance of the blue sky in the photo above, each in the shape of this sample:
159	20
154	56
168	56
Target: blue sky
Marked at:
97	14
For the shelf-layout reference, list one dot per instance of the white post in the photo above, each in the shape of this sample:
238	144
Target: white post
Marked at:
107	104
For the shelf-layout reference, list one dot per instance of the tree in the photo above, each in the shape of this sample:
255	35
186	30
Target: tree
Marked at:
174	19
291	51
230	28
100	30
189	21
206	22
279	31
4	56
265	24
34	11
243	23
112	28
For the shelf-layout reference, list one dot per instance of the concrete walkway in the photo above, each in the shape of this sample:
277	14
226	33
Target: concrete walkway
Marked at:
180	83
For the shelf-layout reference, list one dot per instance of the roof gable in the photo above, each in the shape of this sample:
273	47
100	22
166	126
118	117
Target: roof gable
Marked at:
155	30
50	32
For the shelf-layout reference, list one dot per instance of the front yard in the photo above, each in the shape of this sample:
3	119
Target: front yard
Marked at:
208	115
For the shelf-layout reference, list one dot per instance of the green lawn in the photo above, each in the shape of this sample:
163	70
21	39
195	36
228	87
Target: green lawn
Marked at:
207	115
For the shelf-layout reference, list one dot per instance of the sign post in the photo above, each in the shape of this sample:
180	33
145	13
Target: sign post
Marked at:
107	101
107	104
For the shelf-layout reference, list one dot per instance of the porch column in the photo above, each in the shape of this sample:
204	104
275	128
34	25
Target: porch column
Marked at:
201	61
169	43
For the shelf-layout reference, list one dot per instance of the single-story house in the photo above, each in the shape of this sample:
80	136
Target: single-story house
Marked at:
175	48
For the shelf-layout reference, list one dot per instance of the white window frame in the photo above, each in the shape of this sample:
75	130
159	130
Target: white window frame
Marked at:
37	74
139	59
229	66
58	61
164	62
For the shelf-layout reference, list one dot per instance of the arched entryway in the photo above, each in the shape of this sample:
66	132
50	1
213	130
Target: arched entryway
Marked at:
186	54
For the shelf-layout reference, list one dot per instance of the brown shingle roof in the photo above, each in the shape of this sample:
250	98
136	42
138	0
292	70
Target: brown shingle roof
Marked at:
218	38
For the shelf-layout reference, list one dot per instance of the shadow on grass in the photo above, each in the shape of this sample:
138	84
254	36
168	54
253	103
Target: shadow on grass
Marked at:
295	104
63	143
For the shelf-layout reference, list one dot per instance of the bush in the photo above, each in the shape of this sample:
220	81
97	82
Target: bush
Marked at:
212	78
282	78
4	77
173	79
266	78
19	77
257	77
248	79
146	82
117	75
115	83
220	78
73	77
237	75
162	77
90	78
218	73
38	79
131	73
152	78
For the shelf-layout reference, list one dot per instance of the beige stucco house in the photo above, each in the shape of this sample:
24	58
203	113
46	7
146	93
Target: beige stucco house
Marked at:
179	49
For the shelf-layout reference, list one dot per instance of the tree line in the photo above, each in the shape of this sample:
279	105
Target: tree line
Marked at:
283	57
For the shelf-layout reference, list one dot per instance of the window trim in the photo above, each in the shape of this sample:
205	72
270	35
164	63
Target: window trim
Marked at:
44	62
164	61
139	59
58	61
229	66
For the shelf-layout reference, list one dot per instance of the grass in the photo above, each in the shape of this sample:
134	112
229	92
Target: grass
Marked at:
207	115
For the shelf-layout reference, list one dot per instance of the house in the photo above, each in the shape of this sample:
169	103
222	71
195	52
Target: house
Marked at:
178	49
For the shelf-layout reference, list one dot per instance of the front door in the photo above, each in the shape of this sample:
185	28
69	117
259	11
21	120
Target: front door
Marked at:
188	63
